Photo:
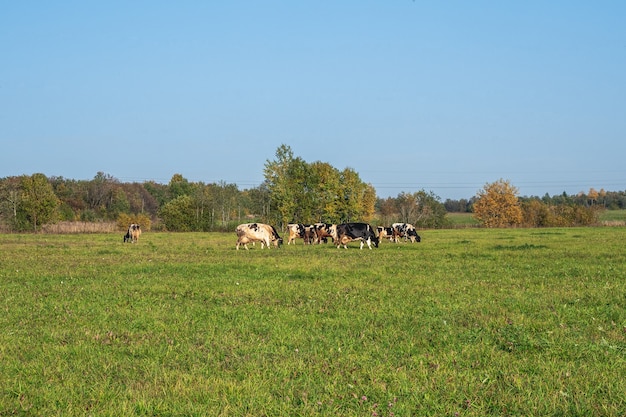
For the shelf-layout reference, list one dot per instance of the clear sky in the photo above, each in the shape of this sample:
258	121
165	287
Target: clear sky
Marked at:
444	96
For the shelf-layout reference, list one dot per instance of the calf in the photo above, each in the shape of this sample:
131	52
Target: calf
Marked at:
347	232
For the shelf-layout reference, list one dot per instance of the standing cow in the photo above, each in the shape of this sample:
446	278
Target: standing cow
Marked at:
133	233
407	231
388	233
257	232
306	232
324	231
347	232
296	230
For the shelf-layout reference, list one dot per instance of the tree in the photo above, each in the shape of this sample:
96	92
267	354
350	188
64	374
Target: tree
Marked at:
430	213
352	193
10	198
99	191
497	205
179	186
326	201
279	184
38	200
592	196
178	214
421	209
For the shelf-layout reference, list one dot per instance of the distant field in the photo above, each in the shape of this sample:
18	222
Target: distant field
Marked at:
613	216
469	322
462	219
616	217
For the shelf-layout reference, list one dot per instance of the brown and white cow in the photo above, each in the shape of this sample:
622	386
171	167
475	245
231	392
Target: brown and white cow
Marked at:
348	232
133	233
296	230
257	232
306	232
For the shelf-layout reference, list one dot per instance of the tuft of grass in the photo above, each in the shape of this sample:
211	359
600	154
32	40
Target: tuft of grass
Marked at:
468	322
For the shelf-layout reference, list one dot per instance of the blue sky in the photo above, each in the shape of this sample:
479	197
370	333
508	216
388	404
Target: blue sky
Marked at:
444	96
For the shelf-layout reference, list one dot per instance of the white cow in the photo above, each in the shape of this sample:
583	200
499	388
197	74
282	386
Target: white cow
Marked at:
257	232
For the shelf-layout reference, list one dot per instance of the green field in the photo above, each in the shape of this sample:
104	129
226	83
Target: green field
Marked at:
613	216
462	219
469	322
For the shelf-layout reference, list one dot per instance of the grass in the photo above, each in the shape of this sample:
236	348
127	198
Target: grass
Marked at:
462	219
468	322
617	217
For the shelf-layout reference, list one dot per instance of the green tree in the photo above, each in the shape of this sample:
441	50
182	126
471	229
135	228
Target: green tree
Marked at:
280	184
497	205
10	199
326	201
179	185
38	200
351	196
178	214
100	191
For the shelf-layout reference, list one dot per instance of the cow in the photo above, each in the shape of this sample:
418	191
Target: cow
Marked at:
347	232
304	231
310	234
133	233
325	231
407	231
257	232
296	230
387	232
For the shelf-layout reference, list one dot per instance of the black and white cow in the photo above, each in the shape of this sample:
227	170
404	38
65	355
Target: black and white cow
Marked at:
257	232
347	232
407	231
386	232
324	231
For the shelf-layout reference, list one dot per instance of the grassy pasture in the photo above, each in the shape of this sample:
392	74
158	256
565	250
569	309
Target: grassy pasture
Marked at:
468	322
462	219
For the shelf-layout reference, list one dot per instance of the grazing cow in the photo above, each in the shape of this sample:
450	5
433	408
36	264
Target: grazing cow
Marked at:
306	232
347	232
257	232
310	234
133	233
296	230
387	232
407	231
325	231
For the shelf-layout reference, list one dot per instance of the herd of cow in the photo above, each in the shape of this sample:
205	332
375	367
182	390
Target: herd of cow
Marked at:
341	234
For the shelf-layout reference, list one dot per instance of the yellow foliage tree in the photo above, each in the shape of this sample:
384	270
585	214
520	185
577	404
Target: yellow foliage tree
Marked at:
497	205
124	220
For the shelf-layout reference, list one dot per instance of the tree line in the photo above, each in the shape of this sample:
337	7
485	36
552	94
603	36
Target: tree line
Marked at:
293	191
